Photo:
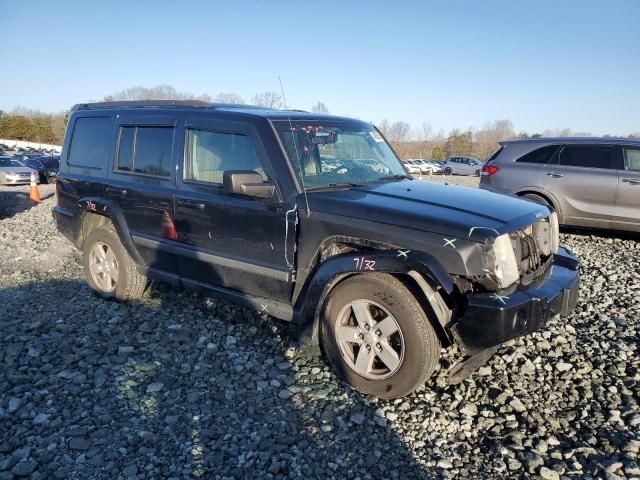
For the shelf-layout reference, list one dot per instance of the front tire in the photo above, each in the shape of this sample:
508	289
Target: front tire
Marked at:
448	171
108	268
377	337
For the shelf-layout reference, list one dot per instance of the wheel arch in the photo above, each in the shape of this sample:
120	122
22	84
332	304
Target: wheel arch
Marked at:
96	212
550	199
420	273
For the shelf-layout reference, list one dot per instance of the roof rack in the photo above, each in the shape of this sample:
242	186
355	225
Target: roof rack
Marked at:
143	104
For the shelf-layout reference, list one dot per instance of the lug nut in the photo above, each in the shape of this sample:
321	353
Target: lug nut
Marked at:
368	347
360	336
378	332
378	346
366	326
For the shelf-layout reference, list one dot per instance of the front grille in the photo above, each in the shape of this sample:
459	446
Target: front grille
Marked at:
527	252
529	256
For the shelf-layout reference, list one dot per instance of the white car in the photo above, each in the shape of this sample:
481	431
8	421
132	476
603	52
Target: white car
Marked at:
425	166
462	166
411	168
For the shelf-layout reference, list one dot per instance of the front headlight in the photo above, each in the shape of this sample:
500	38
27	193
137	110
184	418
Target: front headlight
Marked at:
505	266
555	232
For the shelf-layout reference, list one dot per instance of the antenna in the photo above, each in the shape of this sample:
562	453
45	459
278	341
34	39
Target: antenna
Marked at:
295	147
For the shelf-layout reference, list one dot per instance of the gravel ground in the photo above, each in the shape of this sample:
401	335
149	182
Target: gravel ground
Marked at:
183	386
457	179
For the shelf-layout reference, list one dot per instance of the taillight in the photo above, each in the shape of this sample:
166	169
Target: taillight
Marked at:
489	170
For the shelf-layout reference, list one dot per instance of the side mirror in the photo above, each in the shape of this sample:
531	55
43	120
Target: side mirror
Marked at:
246	182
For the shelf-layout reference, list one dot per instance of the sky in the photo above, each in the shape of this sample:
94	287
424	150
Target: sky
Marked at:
453	64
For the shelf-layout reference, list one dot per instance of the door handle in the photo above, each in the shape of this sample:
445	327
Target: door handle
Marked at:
555	175
191	204
631	181
117	191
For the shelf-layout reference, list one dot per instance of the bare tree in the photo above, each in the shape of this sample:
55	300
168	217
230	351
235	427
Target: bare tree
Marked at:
399	132
320	107
231	97
485	140
564	132
426	132
268	99
384	126
159	92
399	135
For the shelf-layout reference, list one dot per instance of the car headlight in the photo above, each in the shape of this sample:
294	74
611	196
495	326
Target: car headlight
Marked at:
504	267
555	232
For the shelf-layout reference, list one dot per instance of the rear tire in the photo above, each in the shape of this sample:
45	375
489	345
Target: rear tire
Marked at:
377	337
108	268
477	174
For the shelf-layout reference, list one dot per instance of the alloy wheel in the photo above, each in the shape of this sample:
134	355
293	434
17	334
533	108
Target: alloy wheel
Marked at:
369	339
104	267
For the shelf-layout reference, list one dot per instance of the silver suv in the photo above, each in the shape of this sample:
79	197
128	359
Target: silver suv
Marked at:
462	166
591	182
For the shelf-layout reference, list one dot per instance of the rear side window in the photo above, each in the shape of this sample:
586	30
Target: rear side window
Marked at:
145	150
91	142
632	159
495	155
590	156
209	154
539	155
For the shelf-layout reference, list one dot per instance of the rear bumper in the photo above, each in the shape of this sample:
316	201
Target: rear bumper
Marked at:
491	319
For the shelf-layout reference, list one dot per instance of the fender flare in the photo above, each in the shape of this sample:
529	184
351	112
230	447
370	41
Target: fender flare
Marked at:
112	211
328	274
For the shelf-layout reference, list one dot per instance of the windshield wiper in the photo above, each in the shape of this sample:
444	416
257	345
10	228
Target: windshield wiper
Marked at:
399	176
333	185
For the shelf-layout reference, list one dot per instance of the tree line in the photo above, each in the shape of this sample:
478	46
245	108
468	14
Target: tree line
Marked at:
408	142
33	126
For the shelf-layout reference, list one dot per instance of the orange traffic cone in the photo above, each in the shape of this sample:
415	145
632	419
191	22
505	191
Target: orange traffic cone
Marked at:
34	194
168	228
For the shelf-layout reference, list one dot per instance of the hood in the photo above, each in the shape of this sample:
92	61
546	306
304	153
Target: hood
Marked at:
445	209
17	170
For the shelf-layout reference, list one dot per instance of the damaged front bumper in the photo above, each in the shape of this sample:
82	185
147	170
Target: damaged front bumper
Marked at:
490	319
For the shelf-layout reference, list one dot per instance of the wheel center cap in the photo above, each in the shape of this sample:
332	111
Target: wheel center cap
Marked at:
370	338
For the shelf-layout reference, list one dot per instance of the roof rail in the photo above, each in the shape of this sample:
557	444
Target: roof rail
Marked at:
143	104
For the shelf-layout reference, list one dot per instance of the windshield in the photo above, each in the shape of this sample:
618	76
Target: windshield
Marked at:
336	153
10	162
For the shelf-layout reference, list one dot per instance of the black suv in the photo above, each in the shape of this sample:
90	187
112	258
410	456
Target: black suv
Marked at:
310	219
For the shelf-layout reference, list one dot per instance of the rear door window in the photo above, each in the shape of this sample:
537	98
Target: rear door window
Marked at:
145	150
539	155
589	156
91	143
632	159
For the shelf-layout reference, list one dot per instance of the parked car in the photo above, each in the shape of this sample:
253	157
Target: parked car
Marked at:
589	182
411	168
46	166
14	172
429	166
421	164
437	164
381	270
462	166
